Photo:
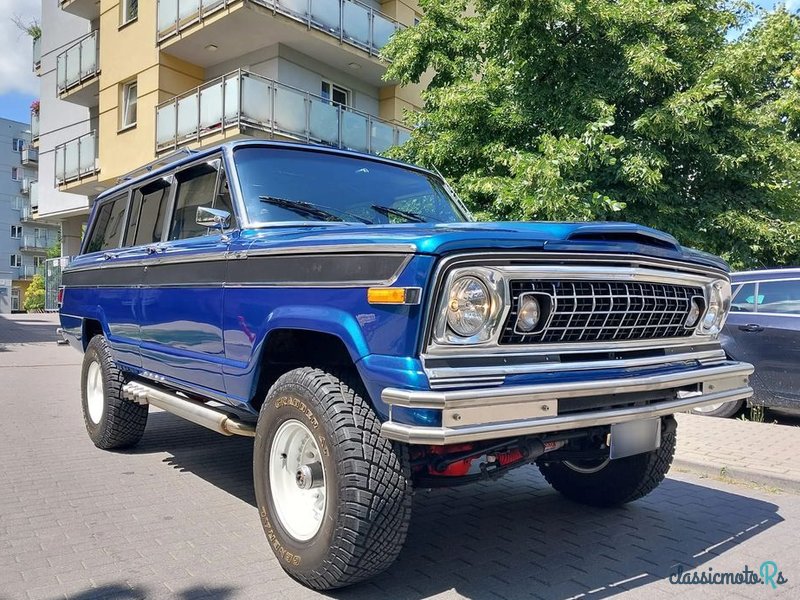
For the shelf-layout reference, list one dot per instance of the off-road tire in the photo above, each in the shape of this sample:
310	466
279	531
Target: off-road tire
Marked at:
368	483
123	422
621	481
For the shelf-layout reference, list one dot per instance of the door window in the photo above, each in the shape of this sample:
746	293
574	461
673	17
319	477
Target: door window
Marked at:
781	297
197	186
108	225
148	208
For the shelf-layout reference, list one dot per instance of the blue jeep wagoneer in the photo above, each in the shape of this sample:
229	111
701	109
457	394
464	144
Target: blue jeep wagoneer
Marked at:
346	312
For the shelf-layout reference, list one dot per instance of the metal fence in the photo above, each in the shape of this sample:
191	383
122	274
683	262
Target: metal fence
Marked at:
52	281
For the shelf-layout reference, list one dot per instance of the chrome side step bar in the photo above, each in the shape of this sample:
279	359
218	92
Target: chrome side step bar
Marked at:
191	410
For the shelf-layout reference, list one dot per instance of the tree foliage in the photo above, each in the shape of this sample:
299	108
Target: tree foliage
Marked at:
34	295
650	111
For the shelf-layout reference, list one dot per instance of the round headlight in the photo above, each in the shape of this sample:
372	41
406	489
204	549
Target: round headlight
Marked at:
711	317
694	313
528	315
468	306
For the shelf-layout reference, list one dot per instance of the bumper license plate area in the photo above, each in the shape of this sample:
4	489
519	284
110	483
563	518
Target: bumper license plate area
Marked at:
635	437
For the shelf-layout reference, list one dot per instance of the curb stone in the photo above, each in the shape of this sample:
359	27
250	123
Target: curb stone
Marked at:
786	484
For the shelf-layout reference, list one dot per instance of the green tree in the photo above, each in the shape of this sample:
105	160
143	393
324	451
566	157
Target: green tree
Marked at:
34	295
642	110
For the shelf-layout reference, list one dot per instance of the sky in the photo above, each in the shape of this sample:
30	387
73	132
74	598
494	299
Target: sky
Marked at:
19	86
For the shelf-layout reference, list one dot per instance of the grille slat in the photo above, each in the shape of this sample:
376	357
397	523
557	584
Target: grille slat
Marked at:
593	311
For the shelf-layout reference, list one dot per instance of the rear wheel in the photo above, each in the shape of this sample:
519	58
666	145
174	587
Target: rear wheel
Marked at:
604	482
723	410
111	421
334	496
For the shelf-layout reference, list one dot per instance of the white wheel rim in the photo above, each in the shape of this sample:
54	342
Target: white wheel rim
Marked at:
708	408
587	470
300	511
95	400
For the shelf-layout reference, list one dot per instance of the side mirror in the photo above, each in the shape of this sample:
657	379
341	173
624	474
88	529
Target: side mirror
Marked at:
213	218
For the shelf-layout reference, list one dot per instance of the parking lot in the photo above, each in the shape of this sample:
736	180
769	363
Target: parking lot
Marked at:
176	516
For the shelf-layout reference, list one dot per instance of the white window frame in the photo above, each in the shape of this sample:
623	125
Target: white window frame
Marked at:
333	86
16	260
16	174
125	103
129	11
38	261
16	231
18	144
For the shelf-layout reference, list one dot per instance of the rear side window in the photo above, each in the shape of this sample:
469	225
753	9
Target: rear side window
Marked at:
779	297
108	226
197	186
745	299
147	213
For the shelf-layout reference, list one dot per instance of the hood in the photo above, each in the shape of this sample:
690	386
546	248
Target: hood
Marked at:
439	238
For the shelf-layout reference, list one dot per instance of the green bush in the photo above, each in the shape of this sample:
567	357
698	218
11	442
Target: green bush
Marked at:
34	295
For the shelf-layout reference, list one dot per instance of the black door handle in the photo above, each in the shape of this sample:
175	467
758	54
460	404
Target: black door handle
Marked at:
751	328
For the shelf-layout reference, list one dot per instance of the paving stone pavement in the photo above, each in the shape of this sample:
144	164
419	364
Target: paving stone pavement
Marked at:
176	518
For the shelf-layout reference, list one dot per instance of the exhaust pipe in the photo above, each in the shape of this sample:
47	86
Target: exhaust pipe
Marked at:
191	410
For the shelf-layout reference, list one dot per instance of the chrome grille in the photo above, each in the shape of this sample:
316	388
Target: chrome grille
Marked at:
592	311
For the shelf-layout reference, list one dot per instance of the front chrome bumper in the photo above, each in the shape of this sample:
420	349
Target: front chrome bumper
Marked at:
491	413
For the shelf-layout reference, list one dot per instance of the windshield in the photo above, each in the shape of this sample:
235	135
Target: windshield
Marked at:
283	185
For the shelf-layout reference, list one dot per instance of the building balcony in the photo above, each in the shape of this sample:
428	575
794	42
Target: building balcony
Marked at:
25	186
27	271
35	244
37	54
29	157
27	214
345	34
34	127
76	163
34	197
88	9
246	104
77	71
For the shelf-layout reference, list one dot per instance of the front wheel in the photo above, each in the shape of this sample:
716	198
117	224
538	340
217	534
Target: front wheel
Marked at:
334	496
605	482
723	410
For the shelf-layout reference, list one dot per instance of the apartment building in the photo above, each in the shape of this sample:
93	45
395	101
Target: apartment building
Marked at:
24	240
147	79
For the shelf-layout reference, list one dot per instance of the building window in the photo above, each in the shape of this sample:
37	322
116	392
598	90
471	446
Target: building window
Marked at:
335	93
38	261
128	105
16	174
130	10
16	231
18	144
16	260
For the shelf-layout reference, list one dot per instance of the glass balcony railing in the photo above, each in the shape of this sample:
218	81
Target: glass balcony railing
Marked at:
349	21
27	271
246	100
27	213
34	242
78	63
34	126
76	158
37	53
34	196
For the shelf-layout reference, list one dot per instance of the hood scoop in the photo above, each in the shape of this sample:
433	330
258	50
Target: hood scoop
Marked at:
623	234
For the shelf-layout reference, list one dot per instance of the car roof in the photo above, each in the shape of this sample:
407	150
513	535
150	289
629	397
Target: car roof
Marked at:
195	155
765	275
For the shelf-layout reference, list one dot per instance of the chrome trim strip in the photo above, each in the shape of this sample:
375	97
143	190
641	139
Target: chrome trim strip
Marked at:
438	436
560	391
437	374
337	249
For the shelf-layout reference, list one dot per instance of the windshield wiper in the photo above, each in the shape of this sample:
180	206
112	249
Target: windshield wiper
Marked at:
325	213
410	216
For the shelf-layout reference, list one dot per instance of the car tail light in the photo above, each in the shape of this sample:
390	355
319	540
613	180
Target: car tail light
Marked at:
60	297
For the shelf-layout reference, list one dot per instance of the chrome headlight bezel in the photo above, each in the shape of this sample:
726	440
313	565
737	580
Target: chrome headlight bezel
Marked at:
494	283
718	304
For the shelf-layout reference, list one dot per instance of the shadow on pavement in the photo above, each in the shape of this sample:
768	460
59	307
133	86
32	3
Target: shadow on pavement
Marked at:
123	592
21	330
515	537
